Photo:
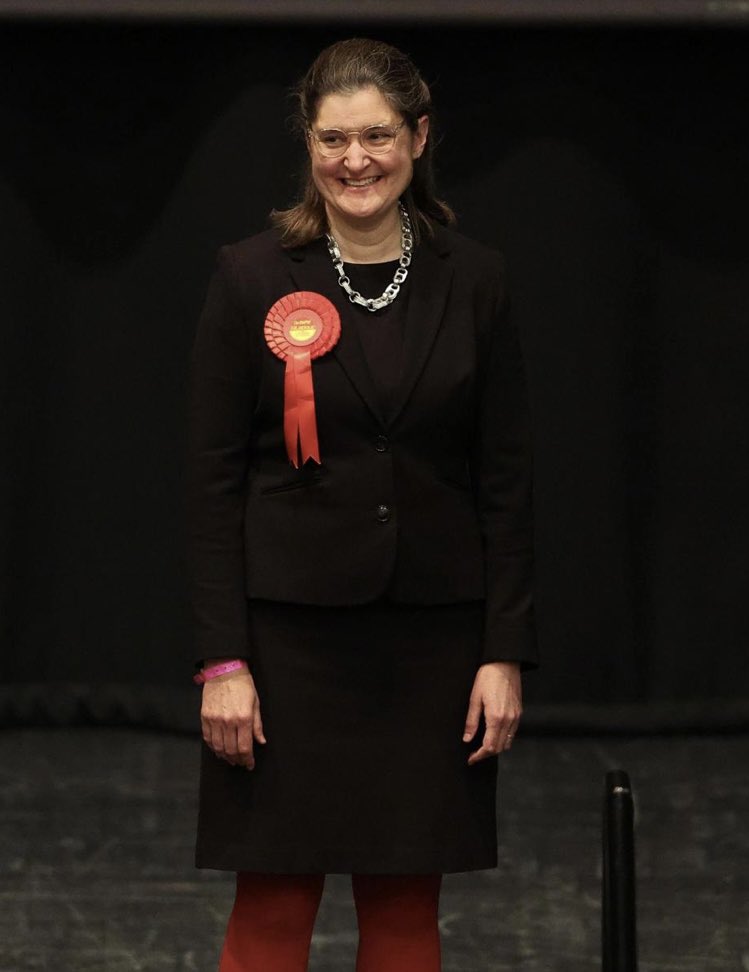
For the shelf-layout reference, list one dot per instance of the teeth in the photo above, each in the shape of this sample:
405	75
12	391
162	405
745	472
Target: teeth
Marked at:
361	182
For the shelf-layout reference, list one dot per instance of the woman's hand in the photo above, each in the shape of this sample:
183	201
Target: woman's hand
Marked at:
230	717
496	690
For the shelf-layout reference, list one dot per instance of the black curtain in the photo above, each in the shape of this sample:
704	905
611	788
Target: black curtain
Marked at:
611	165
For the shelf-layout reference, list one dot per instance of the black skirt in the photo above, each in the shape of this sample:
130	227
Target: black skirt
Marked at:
364	770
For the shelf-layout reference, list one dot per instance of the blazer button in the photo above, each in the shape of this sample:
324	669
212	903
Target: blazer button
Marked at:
381	443
383	513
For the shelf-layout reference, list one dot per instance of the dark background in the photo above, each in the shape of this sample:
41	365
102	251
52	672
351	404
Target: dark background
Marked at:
609	159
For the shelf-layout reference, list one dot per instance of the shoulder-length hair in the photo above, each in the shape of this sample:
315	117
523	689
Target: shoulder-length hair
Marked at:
344	68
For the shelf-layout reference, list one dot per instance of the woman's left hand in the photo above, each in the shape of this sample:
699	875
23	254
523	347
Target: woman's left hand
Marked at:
496	691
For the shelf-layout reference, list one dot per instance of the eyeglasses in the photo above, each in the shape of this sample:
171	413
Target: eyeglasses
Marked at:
376	139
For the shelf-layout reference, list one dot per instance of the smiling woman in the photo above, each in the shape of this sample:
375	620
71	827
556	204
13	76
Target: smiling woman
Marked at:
360	188
356	87
380	608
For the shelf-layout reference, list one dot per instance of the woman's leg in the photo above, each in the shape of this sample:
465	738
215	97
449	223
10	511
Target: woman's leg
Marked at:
397	915
270	926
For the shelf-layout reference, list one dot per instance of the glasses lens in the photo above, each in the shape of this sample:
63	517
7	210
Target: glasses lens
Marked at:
377	139
332	142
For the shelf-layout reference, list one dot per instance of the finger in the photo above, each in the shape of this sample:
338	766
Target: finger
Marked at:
219	740
209	737
479	754
215	738
231	748
509	736
472	717
493	735
257	725
245	751
212	733
490	744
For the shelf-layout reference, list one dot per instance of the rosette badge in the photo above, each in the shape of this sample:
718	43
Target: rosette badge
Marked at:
298	328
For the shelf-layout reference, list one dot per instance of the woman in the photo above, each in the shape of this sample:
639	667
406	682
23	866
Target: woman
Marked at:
361	537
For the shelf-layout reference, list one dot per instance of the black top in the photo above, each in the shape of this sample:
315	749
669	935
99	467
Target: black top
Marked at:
381	332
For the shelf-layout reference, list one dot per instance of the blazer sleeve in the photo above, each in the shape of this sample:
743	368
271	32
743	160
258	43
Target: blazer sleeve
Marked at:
502	470
219	412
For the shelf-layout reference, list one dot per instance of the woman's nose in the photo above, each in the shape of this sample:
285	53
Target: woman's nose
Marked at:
356	157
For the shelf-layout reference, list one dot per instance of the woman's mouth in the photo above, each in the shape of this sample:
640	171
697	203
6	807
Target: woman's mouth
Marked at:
361	183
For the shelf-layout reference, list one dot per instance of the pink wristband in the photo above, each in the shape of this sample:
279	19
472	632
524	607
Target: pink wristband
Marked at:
207	673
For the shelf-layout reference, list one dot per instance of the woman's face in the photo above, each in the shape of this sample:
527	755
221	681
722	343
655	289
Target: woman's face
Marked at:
358	188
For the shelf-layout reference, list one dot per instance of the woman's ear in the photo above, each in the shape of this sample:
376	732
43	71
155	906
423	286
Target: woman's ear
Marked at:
420	136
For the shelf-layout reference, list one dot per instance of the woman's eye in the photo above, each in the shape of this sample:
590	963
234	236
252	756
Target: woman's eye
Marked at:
376	136
332	139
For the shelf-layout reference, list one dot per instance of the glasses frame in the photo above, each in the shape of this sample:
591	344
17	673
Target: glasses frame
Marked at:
315	137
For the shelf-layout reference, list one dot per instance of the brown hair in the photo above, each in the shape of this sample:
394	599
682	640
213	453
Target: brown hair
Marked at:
347	67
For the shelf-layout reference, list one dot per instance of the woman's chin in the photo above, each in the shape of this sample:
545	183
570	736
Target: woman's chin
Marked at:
364	207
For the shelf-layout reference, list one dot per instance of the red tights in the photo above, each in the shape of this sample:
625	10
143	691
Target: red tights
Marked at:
271	923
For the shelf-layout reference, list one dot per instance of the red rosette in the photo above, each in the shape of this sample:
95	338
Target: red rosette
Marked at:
293	315
298	328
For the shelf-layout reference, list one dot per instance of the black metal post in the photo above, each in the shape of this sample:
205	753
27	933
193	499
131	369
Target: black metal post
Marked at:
619	928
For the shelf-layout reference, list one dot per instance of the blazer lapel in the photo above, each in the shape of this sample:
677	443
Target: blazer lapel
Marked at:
312	269
429	278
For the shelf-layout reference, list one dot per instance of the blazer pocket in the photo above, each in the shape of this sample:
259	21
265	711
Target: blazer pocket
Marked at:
298	483
456	483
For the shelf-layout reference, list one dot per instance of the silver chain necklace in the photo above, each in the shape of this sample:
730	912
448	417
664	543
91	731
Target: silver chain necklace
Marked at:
391	291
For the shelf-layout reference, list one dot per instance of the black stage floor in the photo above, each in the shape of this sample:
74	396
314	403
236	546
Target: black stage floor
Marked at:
96	869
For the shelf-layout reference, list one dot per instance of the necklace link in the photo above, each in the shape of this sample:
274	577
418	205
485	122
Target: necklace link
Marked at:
392	289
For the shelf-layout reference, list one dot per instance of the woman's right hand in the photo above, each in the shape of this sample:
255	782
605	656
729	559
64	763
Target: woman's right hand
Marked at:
230	717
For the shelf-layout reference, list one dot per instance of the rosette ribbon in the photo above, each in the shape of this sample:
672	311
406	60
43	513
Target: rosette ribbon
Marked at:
300	327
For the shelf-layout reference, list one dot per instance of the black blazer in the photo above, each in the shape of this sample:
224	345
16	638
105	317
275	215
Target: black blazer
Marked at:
432	506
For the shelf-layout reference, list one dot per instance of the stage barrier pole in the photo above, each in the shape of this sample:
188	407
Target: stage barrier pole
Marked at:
619	924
